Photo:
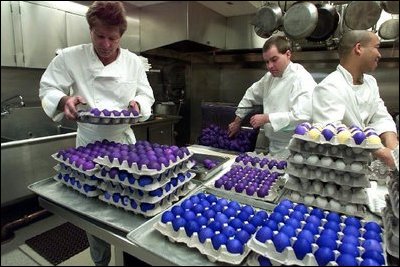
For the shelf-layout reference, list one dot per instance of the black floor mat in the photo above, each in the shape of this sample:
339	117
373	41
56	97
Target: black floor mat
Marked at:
60	243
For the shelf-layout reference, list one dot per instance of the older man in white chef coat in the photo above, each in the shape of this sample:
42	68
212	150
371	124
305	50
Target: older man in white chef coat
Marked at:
285	92
350	96
102	75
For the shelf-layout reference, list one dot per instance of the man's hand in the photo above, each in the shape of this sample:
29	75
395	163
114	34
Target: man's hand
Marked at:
385	155
68	105
134	105
233	128
259	120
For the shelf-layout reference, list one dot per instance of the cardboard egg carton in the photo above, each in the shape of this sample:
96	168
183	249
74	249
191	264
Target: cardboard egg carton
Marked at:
288	257
87	117
314	161
145	196
75	184
134	168
151	209
257	165
395	155
87	172
354	195
328	203
338	151
83	178
393	188
391	224
157	181
351	179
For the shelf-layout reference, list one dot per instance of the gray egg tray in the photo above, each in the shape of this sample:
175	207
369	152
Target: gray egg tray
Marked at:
334	142
393	188
202	172
391	224
87	117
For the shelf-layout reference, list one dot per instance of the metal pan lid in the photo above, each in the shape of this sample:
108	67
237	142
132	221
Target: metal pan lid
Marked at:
362	15
389	29
300	20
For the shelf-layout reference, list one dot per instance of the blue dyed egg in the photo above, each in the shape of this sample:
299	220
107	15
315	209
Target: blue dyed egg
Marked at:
177	223
373	226
351	230
205	233
198	208
293	223
248	209
300	130
328	134
369	262
248	227
324	241
215	226
263	261
333	216
167	216
256	220
281	241
358	137
263	214
350	239
333	225
287	203
288	230
234	246
297	215
372	235
301	247
346	260
177	210
372	244
347	248
201	220
305	234
281	209
264	234
243	236
314	220
324	255
189	215
236	223
353	221
311	227
218	240
329	233
317	212
374	255
222	218
273	225
192	227
301	207
276	216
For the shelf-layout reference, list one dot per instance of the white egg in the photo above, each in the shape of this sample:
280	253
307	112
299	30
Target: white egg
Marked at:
318	186
332	175
335	205
340	164
321	149
307	147
334	150
358	150
312	144
349	152
313	159
330	189
321	201
295	196
304	172
346	179
326	161
318	174
309	199
305	184
351	208
348	160
345	194
356	166
298	158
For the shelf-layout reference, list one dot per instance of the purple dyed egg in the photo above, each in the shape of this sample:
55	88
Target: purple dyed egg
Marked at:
300	129
359	137
328	134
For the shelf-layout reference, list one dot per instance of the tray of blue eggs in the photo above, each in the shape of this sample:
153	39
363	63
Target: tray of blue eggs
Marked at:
106	116
86	189
77	160
391	235
255	259
393	188
337	164
356	195
119	199
205	166
151	196
218	227
261	161
90	180
328	203
296	234
341	134
145	158
143	182
351	179
327	150
249	181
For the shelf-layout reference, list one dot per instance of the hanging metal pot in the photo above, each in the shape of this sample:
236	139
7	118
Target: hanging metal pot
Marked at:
268	18
389	29
391	7
362	15
328	19
300	20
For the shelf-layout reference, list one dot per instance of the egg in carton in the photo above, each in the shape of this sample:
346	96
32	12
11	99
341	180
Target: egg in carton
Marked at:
351	179
135	168
308	236
261	161
217	227
393	188
255	259
88	167
105	116
83	188
316	187
395	155
358	139
338	151
143	208
391	224
142	182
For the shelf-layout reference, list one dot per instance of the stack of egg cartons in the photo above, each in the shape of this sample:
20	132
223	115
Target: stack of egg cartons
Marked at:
296	234
144	178
391	211
219	228
253	175
328	166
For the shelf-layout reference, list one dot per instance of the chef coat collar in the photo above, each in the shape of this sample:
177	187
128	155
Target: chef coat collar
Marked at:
288	69
348	77
105	71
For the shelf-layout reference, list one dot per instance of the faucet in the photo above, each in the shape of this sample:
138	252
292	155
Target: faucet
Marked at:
13	102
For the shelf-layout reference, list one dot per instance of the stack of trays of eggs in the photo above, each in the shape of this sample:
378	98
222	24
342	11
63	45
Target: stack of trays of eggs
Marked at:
105	116
296	234
252	175
144	178
77	170
391	216
219	228
328	167
380	172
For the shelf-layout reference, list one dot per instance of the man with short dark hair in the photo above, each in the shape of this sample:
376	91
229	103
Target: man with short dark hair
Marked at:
285	93
350	96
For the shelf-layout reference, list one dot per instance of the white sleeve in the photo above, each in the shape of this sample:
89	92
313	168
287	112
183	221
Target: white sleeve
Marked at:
144	94
253	96
54	84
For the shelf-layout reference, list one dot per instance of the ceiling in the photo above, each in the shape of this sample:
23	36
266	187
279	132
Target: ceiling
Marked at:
225	8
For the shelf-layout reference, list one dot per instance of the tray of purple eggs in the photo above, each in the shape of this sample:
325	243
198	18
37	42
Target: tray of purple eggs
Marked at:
206	166
83	178
78	159
261	161
76	184
105	116
352	136
295	234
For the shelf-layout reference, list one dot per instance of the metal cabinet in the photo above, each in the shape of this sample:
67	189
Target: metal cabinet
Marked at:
77	30
7	36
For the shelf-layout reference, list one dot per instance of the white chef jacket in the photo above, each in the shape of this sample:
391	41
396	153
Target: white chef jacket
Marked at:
287	101
103	87
337	100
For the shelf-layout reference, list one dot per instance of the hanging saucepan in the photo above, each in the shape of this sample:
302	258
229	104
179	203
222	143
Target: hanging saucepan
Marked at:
389	29
362	15
391	7
300	20
285	5
268	18
328	19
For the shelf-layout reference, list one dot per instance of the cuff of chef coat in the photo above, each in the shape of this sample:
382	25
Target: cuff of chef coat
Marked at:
384	126
50	104
145	108
279	120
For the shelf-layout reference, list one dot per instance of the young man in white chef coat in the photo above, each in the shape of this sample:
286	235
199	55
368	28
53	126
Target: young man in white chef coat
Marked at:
285	92
350	96
102	75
